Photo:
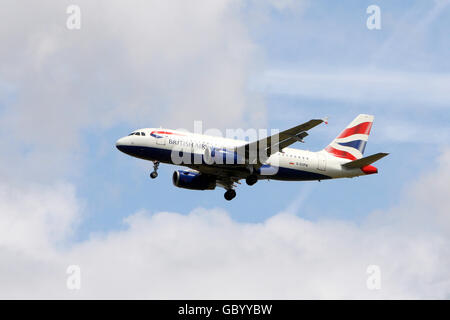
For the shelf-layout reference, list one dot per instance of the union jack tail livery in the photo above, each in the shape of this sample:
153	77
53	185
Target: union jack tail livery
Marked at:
351	142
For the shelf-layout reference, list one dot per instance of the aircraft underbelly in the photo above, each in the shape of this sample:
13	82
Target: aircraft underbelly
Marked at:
288	174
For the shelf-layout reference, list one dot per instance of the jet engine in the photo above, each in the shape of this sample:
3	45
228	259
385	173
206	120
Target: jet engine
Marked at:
193	180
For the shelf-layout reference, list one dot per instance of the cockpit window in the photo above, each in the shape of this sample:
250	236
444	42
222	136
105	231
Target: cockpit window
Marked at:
137	134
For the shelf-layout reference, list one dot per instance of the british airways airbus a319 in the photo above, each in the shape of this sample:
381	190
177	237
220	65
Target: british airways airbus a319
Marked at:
214	161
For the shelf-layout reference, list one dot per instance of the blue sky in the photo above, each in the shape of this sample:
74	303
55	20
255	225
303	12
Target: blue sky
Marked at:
69	195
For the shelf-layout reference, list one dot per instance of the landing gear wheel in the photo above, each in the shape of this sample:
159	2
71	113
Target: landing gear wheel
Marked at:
251	179
153	175
230	194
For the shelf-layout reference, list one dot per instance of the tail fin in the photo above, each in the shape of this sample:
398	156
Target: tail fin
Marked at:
351	142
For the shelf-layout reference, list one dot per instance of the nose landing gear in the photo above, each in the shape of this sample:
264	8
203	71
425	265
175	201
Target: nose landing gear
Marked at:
154	174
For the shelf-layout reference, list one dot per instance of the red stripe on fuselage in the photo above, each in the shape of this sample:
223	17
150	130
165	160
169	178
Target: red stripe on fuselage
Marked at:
362	128
340	153
165	132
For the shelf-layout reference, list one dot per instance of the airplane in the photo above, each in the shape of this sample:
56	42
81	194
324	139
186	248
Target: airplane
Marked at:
214	161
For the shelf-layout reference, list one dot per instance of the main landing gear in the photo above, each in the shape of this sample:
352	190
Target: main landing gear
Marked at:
251	179
230	194
154	174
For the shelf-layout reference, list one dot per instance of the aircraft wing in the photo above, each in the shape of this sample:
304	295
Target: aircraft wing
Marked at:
269	145
226	177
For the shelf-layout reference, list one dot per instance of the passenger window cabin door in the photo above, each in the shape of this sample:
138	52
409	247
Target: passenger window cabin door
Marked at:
161	141
321	162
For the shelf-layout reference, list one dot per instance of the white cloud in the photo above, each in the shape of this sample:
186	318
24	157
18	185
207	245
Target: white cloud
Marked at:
404	89
147	63
205	254
36	216
399	130
407	42
35	222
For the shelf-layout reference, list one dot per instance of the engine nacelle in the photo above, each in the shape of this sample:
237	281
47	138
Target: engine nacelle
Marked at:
222	156
193	180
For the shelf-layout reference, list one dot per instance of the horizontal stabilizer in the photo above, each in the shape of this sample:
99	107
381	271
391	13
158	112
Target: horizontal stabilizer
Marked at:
364	161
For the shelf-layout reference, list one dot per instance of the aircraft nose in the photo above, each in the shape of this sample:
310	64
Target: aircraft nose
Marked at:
120	144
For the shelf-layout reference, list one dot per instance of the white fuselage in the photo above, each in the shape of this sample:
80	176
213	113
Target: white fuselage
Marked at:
169	146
